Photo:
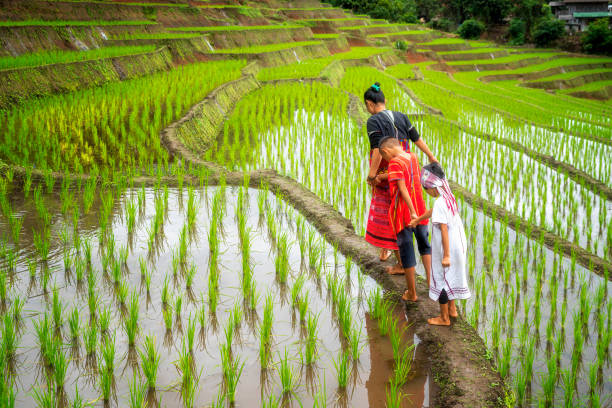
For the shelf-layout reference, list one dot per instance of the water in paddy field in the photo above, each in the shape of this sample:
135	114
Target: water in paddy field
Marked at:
368	376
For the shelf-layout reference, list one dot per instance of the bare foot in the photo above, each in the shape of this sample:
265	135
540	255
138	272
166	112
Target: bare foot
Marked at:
395	270
438	321
384	254
452	309
409	298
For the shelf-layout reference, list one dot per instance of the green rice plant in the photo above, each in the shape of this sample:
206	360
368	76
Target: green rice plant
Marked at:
396	336
165	292
74	323
130	324
16	224
57	308
232	370
320	398
189	379
138	393
105	381
394	394
178	306
3	286
45	398
116	272
355	342
17	308
303	306
167	313
213	289
282	259
342	367
593	381
108	352
191	326
123	290
403	365
60	366
9	336
41	242
286	374
375	302
549	380
296	289
67	260
90	339
569	381
271	402
149	358
189	275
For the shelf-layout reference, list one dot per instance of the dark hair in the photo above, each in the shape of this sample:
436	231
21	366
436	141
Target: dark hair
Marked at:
436	169
374	94
388	141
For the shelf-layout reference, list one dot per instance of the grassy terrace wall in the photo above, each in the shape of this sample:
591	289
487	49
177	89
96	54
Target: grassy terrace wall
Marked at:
272	58
237	38
19	84
571	82
25	39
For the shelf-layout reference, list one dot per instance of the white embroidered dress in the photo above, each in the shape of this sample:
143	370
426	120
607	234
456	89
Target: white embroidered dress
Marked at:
453	278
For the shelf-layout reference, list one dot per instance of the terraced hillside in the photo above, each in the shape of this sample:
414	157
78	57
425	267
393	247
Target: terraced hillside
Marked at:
183	205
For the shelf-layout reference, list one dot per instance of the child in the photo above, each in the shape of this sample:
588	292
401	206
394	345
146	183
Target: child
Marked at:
448	278
406	203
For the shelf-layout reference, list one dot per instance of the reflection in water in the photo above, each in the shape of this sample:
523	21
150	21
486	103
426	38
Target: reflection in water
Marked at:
416	388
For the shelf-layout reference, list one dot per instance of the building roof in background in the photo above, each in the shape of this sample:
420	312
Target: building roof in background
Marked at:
593	14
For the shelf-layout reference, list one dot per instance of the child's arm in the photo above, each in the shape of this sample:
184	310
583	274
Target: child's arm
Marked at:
445	248
375	163
416	221
404	192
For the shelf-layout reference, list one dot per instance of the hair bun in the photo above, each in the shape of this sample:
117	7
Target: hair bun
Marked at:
376	87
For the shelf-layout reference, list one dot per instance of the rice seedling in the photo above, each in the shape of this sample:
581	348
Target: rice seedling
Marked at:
394	394
232	370
60	366
130	325
403	365
286	373
74	323
355	343
191	326
105	381
90	339
178	306
282	259
9	336
296	289
45	398
342	367
167	314
150	359
57	308
138	393
108	352
165	292
189	275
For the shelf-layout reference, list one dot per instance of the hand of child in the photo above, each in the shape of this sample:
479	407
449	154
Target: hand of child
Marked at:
446	261
413	222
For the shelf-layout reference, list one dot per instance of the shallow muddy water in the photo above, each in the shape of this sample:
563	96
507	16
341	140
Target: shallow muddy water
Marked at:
368	378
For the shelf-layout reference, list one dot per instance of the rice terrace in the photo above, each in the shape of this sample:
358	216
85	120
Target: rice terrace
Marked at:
190	204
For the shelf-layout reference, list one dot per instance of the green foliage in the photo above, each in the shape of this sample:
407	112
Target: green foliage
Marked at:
442	24
471	29
517	31
598	38
548	31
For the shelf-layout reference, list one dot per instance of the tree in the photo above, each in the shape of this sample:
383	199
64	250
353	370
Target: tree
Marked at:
530	11
597	39
517	31
547	31
470	29
490	11
427	9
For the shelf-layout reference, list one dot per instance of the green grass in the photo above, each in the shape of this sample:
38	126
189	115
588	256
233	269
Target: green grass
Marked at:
388	25
410	32
440	41
574	74
400	71
333	19
558	62
591	86
474	51
506	59
157	36
58	57
236	28
266	48
306	69
73	23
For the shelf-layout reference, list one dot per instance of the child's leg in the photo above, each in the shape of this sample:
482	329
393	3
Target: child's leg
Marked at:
452	309
397	268
422	237
410	294
443	319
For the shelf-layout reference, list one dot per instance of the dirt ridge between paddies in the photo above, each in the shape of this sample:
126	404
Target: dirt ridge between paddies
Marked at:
467	377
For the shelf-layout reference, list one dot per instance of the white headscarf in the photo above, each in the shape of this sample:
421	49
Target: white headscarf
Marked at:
430	180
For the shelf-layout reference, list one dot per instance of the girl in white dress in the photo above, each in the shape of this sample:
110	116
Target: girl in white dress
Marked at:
448	244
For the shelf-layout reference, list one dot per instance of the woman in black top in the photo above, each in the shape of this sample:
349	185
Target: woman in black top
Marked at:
384	123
